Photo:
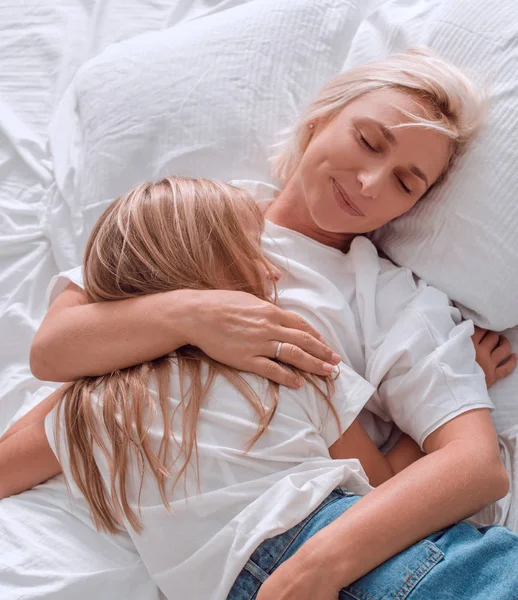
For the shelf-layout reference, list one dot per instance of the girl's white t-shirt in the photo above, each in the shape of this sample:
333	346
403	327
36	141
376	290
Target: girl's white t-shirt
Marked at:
408	359
198	548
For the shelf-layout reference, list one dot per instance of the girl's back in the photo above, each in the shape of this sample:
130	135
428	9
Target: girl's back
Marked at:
230	500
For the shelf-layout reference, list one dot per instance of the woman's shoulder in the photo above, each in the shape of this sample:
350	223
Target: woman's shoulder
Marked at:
370	259
394	287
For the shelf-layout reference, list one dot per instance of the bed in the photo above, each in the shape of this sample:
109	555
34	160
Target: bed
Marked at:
99	94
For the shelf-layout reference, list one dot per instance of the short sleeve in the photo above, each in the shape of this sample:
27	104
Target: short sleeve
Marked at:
352	392
418	352
425	369
60	281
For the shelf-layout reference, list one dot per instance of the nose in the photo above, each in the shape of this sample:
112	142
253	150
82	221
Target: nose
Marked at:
371	182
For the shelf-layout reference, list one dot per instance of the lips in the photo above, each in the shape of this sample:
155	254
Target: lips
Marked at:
344	200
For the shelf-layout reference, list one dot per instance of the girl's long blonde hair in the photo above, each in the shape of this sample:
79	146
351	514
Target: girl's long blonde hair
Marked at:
176	234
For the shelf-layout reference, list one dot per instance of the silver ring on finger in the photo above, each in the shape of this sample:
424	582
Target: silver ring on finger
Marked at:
278	351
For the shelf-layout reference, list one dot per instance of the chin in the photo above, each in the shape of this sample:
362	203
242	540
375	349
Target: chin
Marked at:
330	226
338	225
363	229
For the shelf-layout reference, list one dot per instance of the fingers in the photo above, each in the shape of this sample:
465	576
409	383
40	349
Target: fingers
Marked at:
308	343
272	370
299	332
490	340
479	334
494	355
296	357
507	368
294	321
502	352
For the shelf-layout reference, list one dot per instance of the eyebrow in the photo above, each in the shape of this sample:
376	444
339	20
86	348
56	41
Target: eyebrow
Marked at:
389	136
417	171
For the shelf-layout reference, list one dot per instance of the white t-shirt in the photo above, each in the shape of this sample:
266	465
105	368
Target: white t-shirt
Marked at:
401	336
198	550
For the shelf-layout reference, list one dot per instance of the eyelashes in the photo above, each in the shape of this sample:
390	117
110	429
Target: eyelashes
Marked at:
404	187
364	142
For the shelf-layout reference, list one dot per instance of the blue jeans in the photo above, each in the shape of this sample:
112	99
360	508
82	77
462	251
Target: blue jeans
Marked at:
459	562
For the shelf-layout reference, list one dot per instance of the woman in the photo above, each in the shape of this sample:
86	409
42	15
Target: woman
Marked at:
372	144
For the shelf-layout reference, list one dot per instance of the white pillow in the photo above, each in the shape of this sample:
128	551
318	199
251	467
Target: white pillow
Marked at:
463	238
205	98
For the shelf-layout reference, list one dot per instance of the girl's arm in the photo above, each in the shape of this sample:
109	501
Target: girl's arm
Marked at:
78	339
356	443
461	474
26	458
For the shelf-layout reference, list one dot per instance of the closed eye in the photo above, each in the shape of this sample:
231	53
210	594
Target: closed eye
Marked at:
366	144
406	189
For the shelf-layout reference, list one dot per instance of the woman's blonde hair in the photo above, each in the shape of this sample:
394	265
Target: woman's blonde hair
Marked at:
453	104
176	234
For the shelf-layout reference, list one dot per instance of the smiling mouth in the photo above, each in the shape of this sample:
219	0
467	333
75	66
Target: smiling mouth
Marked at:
345	201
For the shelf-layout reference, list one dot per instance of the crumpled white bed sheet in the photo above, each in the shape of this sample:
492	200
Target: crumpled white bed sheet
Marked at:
43	42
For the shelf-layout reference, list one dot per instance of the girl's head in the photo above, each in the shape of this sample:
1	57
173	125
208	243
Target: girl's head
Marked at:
178	233
377	138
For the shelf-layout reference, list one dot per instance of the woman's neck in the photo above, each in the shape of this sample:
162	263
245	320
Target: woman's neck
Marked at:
290	210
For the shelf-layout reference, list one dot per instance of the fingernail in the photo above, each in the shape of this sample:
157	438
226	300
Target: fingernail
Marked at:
336	358
322	339
327	367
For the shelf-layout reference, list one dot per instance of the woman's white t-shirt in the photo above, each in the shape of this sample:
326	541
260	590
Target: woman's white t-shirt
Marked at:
408	359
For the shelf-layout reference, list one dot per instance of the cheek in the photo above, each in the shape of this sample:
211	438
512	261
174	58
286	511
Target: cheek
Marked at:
389	206
400	205
327	150
311	162
311	177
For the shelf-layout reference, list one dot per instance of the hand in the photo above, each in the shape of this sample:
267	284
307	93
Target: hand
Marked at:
294	580
243	332
494	355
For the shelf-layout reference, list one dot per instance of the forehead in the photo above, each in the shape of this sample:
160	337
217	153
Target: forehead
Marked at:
426	148
389	104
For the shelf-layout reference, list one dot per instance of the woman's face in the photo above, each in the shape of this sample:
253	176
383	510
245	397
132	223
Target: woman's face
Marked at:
358	174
